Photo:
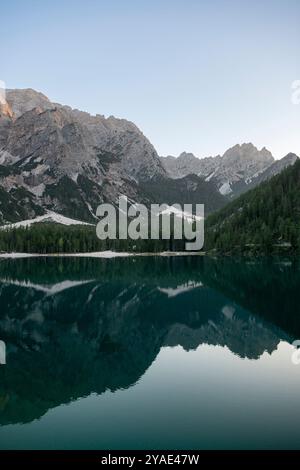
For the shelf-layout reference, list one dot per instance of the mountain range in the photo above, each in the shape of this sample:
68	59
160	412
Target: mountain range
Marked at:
54	158
241	168
59	160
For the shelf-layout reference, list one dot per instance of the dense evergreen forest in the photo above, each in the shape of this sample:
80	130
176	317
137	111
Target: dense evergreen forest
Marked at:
265	219
45	238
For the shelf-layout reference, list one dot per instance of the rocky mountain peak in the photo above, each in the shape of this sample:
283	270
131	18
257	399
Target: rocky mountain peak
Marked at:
23	100
238	165
187	156
248	151
79	136
290	157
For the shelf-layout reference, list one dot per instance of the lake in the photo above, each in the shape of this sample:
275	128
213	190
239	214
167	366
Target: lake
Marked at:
149	353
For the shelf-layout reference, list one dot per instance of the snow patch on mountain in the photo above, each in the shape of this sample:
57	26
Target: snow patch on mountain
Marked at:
49	217
225	189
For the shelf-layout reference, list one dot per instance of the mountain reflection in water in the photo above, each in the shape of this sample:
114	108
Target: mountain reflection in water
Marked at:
76	326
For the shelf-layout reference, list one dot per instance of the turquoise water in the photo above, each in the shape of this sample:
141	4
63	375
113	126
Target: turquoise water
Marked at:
175	353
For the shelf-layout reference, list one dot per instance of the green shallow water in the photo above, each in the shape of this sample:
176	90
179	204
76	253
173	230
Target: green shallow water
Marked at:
164	353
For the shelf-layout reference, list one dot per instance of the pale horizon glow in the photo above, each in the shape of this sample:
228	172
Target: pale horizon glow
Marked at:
195	76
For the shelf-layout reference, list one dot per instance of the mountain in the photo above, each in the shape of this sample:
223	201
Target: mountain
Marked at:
241	168
54	158
69	161
274	169
265	219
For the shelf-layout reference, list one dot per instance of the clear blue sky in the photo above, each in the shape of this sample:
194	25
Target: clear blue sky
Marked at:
194	75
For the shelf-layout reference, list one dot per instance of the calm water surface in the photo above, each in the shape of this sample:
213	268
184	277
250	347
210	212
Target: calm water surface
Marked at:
175	353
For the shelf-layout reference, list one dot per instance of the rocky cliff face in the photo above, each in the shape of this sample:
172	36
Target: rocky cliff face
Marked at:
72	138
239	169
68	161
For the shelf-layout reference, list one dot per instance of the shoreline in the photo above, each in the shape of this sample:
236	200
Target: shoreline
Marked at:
99	254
